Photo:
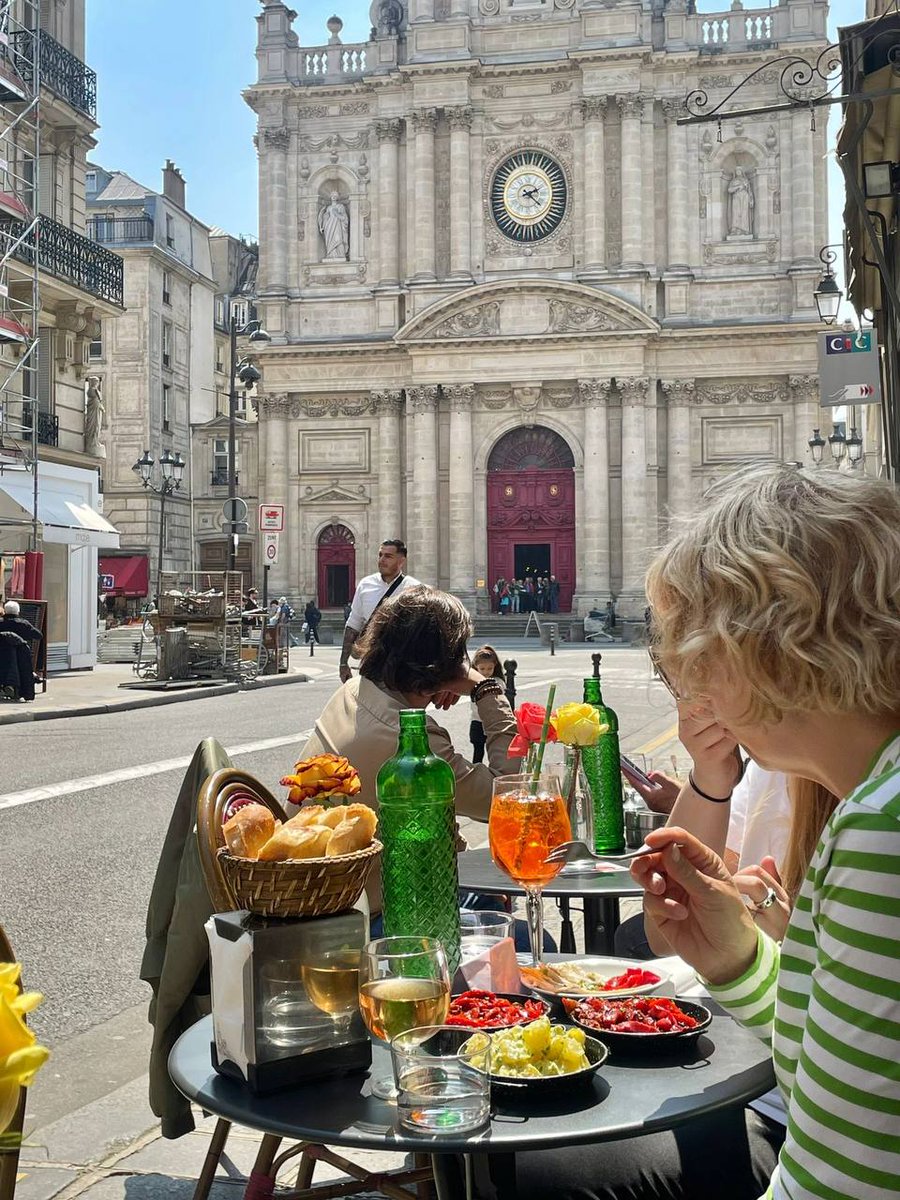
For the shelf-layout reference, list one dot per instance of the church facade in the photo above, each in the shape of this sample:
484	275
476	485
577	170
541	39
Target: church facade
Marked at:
520	315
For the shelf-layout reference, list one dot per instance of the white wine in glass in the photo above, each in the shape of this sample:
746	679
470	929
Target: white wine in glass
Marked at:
332	984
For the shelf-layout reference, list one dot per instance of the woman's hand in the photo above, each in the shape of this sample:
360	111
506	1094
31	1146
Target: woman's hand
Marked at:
662	794
755	882
712	750
692	902
449	693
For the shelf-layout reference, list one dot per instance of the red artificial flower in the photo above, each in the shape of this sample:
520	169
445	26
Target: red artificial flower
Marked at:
529	725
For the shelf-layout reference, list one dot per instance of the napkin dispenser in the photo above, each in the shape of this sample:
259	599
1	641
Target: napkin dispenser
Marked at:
284	998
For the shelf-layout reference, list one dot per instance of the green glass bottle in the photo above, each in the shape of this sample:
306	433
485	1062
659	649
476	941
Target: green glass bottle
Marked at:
600	764
417	824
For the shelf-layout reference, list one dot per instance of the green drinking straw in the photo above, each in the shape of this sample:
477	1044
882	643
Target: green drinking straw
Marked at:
539	762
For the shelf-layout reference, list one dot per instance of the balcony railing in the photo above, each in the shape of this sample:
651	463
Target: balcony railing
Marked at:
67	255
334	62
219	477
60	70
117	231
47	425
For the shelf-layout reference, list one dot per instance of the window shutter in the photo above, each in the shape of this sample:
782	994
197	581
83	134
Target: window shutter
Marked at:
45	370
47	185
46	10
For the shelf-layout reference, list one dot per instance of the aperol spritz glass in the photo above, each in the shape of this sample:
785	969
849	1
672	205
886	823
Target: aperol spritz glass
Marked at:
528	819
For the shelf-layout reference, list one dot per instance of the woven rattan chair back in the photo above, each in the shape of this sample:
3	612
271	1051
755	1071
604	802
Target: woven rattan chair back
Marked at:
216	796
9	1160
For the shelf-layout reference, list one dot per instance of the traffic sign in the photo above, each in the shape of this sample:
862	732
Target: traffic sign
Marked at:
270	550
235	509
271	517
229	526
858	391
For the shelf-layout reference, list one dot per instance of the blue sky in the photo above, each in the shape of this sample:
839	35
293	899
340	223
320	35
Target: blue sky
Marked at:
170	75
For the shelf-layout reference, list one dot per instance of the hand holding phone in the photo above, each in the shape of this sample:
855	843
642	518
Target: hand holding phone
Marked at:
634	774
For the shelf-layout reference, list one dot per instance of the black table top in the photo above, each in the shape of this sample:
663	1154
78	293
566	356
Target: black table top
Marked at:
728	1066
477	873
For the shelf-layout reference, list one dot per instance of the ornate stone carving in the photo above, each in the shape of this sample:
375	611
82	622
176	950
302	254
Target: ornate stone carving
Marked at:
564	4
493	91
388	130
558	86
327	406
422	399
461	396
804	389
334	225
559	395
631	105
531	121
593	108
304	169
334	143
673	109
490	8
459	118
301	230
354	108
312	112
717	81
634	390
594	393
277	405
679	392
568	317
706	144
94	409
742	391
277	139
425	119
388	403
495	399
771	139
527	397
334	277
482	321
740	204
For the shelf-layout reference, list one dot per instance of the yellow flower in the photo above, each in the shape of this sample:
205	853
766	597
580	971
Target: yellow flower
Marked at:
577	724
20	1056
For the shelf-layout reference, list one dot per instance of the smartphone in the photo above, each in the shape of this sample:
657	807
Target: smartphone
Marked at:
634	774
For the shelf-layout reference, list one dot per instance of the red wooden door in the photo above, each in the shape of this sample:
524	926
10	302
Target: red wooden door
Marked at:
336	548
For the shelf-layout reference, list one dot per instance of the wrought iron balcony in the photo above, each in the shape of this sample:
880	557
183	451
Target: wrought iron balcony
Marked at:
60	70
219	477
47	425
67	255
117	231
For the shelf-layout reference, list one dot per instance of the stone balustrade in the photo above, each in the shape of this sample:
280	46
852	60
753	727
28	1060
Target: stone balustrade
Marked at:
334	63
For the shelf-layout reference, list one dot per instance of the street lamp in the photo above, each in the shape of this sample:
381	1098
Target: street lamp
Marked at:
838	445
827	294
248	375
816	447
171	470
854	447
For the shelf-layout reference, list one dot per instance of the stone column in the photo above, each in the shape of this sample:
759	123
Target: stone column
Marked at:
273	177
388	228
422	523
389	407
631	109
807	417
274	474
802	191
460	213
679	394
677	186
635	550
462	499
594	535
424	122
593	110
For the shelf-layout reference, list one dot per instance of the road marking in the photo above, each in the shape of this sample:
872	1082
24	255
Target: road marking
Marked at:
667	736
89	783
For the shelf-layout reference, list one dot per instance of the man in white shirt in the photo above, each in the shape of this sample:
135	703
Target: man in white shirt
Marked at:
389	579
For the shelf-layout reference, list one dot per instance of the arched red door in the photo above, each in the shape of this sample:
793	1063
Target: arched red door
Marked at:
336	562
531	509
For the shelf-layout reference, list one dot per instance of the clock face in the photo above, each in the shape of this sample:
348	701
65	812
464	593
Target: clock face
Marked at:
528	195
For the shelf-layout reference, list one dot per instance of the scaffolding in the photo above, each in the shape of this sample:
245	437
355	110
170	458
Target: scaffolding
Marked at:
21	415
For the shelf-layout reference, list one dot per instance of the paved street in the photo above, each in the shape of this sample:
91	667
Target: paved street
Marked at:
84	807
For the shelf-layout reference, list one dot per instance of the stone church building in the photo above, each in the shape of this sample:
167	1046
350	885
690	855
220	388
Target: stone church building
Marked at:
519	315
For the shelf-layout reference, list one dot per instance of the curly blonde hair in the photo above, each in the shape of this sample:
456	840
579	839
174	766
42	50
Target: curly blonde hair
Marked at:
790	580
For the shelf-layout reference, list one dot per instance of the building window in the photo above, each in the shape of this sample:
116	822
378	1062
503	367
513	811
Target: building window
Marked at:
170	231
166	287
90	181
220	313
220	462
166	344
166	406
240	313
95	347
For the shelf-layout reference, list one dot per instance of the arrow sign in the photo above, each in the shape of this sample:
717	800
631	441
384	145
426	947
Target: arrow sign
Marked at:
858	391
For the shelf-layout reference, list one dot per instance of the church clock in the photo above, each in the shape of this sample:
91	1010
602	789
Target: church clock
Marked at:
528	195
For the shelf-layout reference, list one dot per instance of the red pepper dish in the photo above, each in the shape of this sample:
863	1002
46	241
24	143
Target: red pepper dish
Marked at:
634	1014
487	1010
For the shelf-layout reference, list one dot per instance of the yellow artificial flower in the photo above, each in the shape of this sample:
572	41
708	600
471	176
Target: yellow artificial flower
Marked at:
20	1056
321	777
577	724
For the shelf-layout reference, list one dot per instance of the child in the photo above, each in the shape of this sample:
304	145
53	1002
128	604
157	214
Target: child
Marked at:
487	662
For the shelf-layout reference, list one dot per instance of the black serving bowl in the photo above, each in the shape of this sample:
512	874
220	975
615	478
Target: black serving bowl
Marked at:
549	1087
515	998
650	1043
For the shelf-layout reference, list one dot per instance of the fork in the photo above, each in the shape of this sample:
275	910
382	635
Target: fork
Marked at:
579	852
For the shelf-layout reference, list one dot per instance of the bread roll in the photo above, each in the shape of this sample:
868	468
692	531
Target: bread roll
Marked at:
351	835
308	841
332	817
307	816
249	830
366	815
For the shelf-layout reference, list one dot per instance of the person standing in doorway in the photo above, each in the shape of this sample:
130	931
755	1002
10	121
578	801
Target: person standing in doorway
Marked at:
553	593
487	662
388	580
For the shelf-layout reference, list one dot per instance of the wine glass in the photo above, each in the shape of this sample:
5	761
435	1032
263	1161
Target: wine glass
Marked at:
528	819
331	980
404	983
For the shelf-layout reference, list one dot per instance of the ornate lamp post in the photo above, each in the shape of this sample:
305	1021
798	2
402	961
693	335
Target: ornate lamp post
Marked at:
816	447
171	471
828	295
248	374
854	447
838	445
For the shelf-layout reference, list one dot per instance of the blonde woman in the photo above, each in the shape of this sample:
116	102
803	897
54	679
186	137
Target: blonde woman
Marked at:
779	609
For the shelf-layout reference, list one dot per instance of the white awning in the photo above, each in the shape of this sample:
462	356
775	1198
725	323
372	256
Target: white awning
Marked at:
64	518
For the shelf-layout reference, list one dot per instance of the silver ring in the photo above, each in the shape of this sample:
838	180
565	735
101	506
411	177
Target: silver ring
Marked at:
767	902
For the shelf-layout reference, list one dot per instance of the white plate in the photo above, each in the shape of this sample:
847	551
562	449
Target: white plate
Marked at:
609	968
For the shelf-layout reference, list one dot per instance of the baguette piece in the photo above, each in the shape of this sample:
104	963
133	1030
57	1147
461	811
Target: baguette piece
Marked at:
307	816
248	830
351	835
366	815
332	817
292	842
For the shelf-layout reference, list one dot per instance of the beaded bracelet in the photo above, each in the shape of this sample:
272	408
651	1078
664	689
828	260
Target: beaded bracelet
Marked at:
489	687
705	795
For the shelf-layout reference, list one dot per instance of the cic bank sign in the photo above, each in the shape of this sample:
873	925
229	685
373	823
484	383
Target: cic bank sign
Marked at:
849	368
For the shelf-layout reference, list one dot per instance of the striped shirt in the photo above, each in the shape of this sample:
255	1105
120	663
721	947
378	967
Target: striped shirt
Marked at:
829	1000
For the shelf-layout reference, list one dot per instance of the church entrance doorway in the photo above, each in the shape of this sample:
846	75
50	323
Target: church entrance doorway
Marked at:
531	510
336	562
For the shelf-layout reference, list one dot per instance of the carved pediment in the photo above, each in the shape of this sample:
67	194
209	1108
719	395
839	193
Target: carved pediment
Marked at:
526	310
335	495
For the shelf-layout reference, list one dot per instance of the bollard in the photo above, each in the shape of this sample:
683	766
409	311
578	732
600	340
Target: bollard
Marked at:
312	646
595	659
510	667
553	629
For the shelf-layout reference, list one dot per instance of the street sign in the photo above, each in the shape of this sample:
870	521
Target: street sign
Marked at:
271	518
107	583
849	368
234	527
270	550
235	509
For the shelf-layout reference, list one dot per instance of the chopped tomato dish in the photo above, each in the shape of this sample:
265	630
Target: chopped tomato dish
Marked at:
486	1010
631	978
634	1014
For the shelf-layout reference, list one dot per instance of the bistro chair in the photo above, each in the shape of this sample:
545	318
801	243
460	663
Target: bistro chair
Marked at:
9	1160
217	794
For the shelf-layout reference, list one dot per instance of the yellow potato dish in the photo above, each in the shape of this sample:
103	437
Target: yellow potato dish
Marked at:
532	1051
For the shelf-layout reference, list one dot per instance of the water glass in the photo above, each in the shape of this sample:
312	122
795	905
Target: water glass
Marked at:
286	1016
481	931
443	1079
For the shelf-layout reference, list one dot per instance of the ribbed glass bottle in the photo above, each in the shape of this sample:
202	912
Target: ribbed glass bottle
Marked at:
417	825
600	765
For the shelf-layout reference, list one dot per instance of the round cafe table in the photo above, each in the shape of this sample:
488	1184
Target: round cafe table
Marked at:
600	892
726	1068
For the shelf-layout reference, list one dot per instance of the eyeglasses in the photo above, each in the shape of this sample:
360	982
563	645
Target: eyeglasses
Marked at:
661	675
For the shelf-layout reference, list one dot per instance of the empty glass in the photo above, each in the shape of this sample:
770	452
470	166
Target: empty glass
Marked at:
440	1089
481	931
286	1016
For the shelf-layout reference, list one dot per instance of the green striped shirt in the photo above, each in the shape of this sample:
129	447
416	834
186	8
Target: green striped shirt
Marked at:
829	1000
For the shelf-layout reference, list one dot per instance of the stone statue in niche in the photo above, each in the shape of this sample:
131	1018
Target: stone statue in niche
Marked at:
93	418
334	226
740	205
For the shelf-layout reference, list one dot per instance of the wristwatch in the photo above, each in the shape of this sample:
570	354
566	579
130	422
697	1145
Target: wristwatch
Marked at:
488	687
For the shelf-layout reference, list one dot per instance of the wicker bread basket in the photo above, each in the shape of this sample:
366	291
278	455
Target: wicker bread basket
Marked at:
305	887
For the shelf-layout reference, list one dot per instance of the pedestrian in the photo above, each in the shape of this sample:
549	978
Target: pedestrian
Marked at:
250	618
515	596
504	598
528	594
499	588
312	616
387	581
13	622
553	593
487	662
610	614
540	595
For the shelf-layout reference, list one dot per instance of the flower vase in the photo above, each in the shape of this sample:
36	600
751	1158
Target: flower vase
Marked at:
579	804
